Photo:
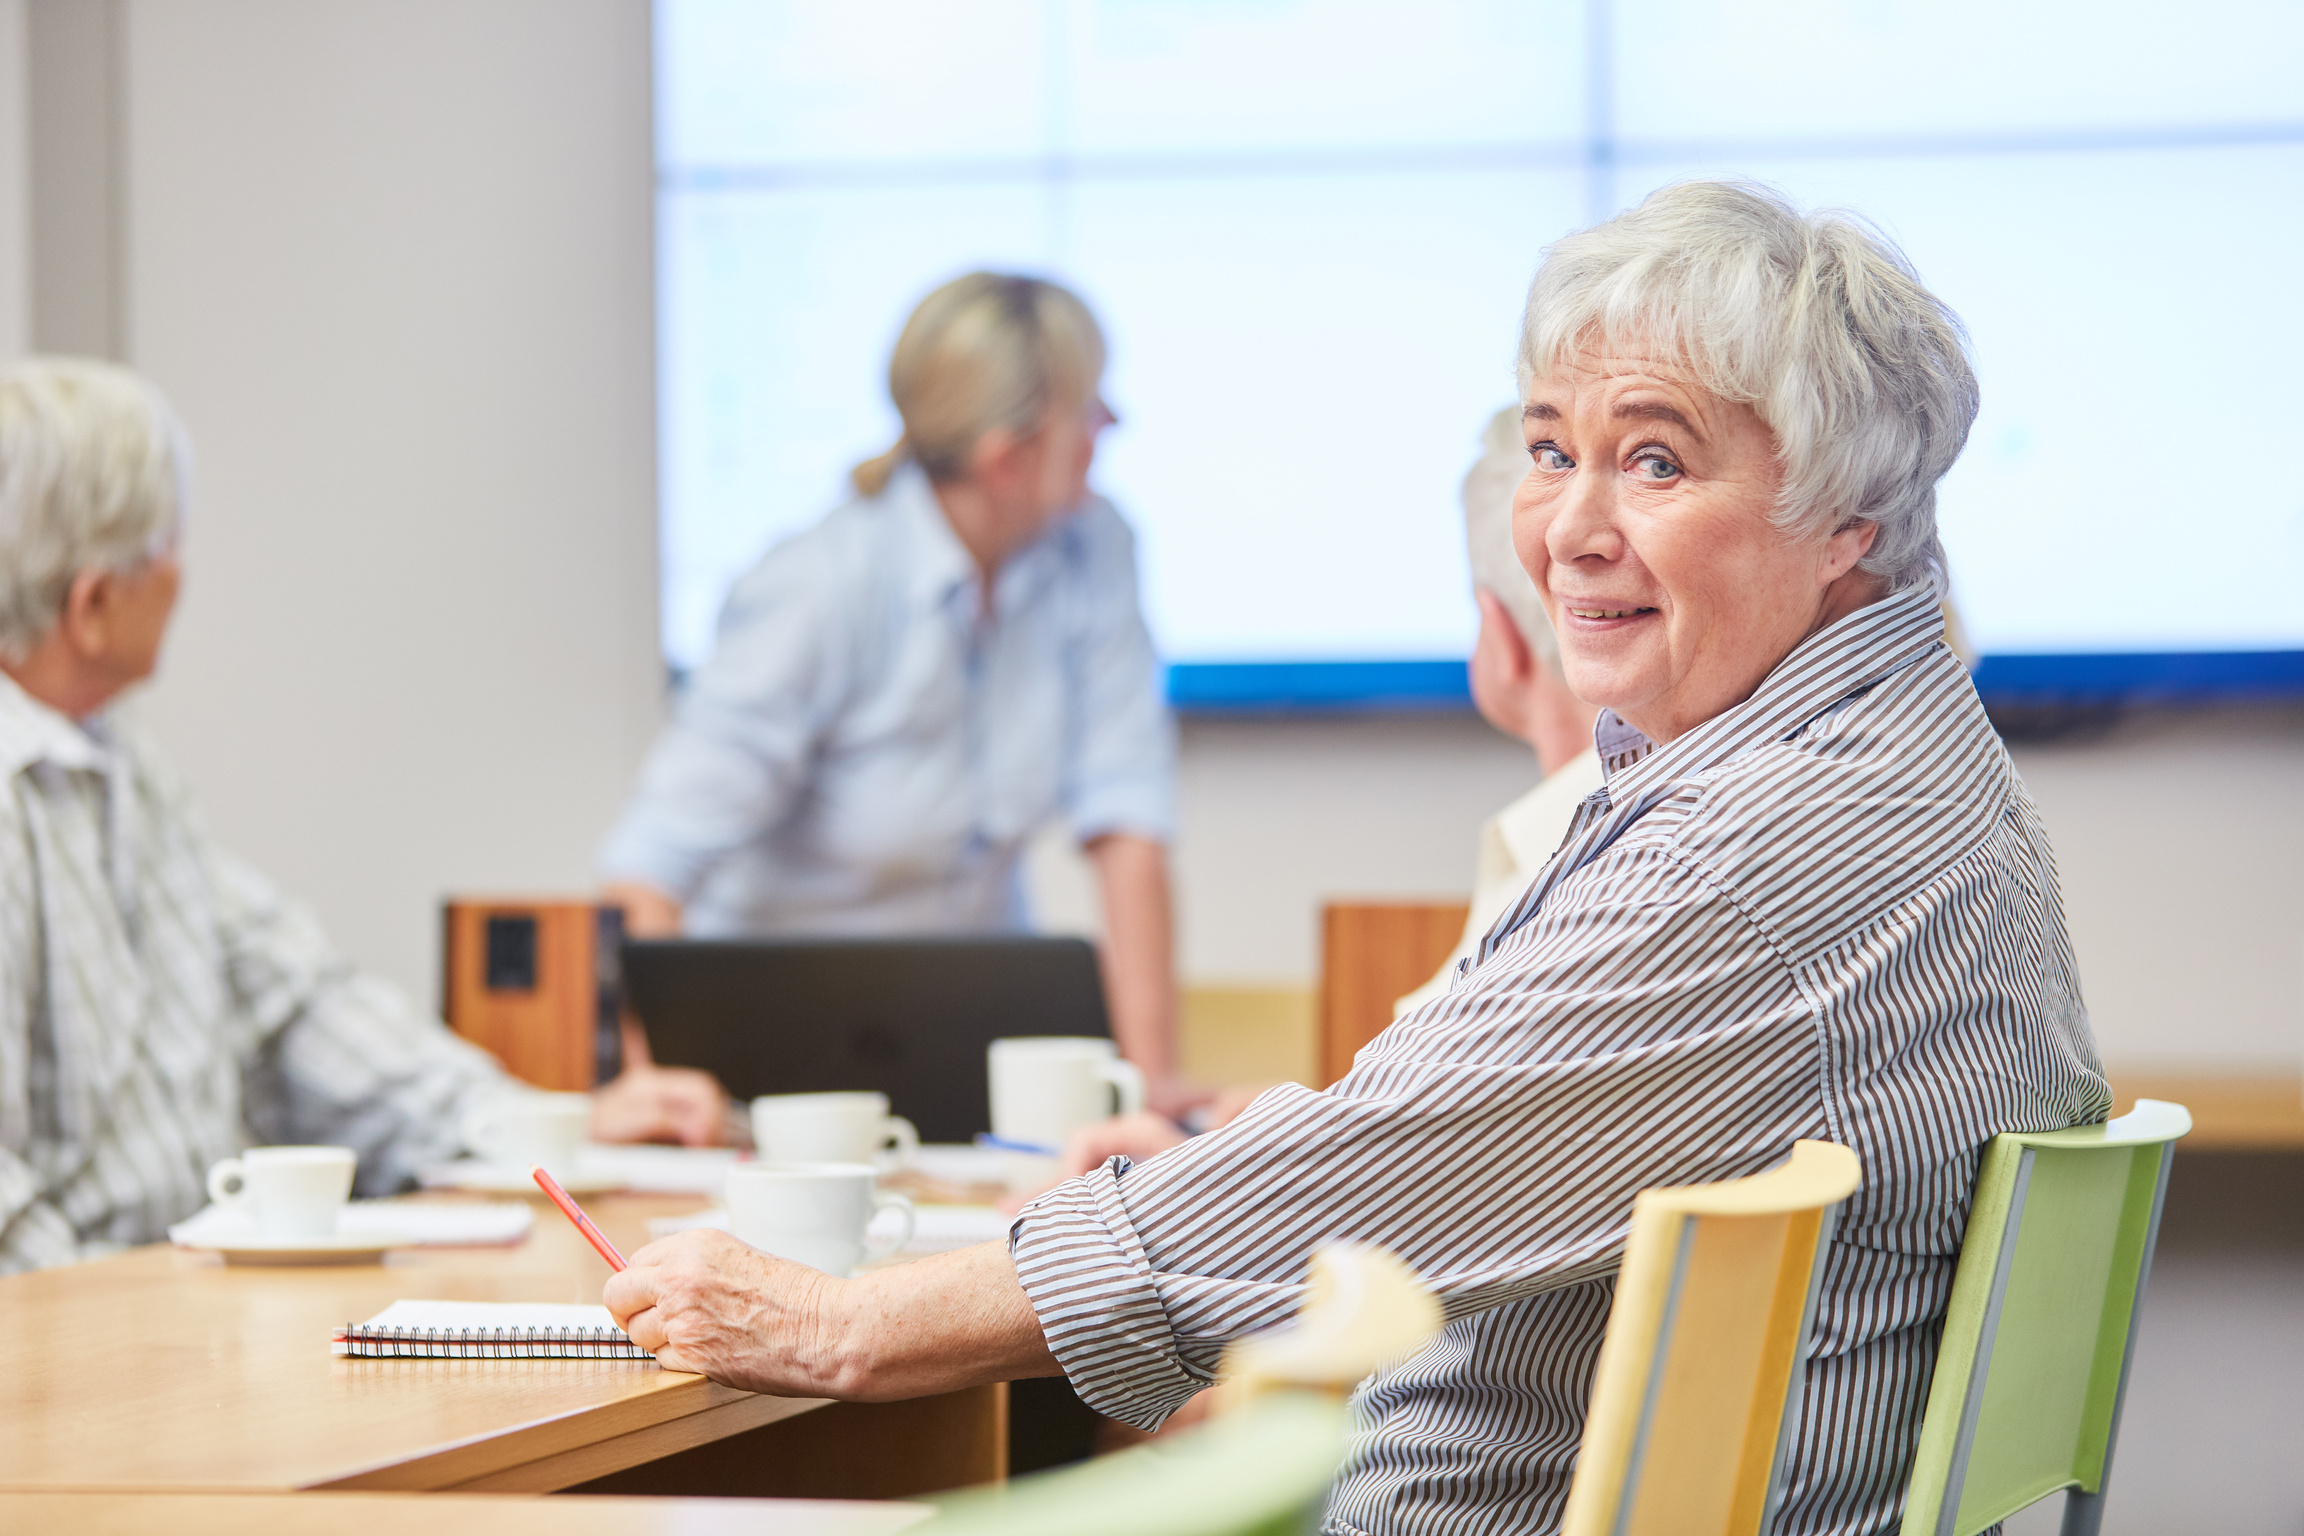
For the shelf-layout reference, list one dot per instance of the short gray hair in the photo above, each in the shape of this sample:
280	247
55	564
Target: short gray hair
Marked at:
1496	567
1816	321
92	476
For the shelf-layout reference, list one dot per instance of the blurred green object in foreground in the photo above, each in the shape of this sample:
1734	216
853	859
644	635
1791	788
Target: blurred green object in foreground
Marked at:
1261	1471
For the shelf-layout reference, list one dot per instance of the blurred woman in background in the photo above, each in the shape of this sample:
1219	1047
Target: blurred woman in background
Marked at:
903	694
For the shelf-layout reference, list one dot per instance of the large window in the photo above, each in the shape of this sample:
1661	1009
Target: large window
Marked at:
1308	226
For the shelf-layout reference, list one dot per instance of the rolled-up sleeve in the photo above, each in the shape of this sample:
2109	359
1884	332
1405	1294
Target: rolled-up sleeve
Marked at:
1122	773
737	752
1647	1034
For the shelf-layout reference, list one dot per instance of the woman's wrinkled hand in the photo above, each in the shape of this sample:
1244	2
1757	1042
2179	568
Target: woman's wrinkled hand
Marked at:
704	1302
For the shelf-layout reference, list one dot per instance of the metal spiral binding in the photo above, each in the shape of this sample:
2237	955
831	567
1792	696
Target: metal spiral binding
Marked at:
490	1344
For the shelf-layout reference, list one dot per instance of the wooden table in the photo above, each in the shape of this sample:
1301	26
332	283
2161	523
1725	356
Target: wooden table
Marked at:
438	1514
162	1370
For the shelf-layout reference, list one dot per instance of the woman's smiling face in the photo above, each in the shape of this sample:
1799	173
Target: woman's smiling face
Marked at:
1645	522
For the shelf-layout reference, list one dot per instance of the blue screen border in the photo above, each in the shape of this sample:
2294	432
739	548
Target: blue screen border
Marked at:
1395	686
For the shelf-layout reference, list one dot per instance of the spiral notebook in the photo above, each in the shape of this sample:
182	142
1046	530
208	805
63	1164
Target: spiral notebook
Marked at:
487	1330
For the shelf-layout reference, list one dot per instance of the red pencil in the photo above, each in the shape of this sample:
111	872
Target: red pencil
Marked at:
574	1213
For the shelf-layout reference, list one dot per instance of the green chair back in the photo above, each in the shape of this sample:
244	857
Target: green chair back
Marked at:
2041	1324
1261	1471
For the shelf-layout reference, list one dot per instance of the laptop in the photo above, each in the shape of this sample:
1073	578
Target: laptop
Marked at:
909	1017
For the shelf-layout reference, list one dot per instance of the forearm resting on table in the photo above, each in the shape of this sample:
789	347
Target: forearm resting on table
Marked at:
705	1302
1139	956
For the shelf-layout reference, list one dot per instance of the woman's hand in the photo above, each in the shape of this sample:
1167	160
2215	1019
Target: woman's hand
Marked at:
1135	1137
651	1103
707	1303
1173	1095
704	1302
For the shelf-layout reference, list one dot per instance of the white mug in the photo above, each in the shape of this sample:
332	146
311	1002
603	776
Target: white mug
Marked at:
546	1129
293	1192
1044	1088
813	1213
832	1128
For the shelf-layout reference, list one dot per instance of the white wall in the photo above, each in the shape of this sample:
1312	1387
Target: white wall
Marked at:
15	182
2180	842
391	259
1280	814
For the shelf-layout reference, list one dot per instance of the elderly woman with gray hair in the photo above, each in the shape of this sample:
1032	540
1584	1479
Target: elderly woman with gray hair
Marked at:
161	1003
1812	899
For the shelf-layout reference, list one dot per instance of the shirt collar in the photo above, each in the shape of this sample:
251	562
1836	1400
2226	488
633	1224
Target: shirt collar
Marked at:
31	732
943	571
1829	666
940	563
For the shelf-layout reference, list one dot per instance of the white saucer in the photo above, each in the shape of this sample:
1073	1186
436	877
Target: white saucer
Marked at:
343	1248
510	1179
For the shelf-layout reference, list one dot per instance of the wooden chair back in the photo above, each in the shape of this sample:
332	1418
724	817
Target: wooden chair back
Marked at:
2037	1337
1698	1386
1371	955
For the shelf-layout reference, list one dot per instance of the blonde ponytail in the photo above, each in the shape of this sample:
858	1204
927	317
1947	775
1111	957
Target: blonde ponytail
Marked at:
871	477
985	351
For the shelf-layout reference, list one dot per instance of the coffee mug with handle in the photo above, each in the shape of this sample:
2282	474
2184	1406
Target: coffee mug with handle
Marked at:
294	1193
1046	1087
832	1128
814	1213
522	1128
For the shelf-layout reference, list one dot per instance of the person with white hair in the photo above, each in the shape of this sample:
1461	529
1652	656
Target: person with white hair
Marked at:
162	1004
1810	900
904	693
1518	688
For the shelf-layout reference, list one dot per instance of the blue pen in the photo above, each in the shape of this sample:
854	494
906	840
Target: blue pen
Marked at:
1003	1144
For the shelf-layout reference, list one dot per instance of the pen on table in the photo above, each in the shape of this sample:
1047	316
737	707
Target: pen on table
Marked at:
575	1213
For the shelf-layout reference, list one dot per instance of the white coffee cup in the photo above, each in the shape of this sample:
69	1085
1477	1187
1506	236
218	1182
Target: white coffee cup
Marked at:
813	1213
832	1128
294	1193
546	1129
1046	1087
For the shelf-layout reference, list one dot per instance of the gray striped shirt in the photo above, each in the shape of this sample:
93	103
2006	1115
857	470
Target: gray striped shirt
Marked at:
1830	912
162	1004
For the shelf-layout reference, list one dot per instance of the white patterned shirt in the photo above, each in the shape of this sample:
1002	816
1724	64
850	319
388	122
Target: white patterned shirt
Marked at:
162	1005
1829	912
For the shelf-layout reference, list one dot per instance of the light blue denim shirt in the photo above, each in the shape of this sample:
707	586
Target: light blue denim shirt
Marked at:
868	751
